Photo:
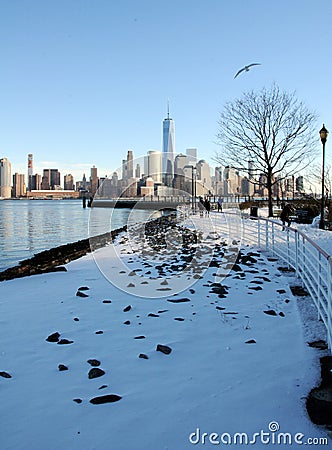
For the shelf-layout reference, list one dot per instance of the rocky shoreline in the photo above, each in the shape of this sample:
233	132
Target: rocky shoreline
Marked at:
53	260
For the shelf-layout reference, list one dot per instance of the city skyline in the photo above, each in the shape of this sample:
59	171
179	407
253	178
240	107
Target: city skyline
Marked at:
82	83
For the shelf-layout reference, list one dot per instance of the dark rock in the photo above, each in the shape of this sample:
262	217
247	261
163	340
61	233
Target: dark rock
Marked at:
192	291
281	314
77	400
251	341
270	312
93	362
299	291
320	344
127	308
81	294
109	398
5	375
220	308
139	337
64	342
164	349
54	337
107	301
153	315
162	311
286	269
130	284
255	288
143	356
62	367
236	268
247	259
83	288
127	322
99	332
103	387
76	319
178	300
256	282
95	372
180	319
281	291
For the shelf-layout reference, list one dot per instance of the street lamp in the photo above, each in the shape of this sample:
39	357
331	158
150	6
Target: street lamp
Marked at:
323	137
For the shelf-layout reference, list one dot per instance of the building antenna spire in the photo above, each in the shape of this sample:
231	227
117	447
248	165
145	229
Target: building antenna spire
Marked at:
168	108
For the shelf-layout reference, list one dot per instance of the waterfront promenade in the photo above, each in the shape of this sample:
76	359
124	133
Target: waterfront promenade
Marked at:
188	336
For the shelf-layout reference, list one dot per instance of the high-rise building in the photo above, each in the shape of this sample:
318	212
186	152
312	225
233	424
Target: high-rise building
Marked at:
130	162
218	181
168	150
30	169
50	179
192	152
94	181
154	166
138	171
35	182
5	178
68	182
19	187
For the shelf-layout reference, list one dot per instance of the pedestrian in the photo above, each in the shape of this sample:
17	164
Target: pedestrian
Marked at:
220	200
207	206
287	210
201	206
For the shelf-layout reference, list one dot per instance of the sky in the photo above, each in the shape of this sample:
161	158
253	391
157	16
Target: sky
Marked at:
82	82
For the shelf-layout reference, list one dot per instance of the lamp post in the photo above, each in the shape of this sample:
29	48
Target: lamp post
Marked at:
323	137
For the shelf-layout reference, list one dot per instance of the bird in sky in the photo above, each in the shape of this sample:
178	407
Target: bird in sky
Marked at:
246	68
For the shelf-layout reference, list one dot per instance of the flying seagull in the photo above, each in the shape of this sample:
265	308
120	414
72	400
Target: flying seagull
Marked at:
246	68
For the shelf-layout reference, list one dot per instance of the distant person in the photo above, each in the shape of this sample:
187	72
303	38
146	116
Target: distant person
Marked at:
201	206
286	212
220	201
207	206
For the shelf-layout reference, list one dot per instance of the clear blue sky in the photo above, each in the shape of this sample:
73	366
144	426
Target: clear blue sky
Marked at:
81	82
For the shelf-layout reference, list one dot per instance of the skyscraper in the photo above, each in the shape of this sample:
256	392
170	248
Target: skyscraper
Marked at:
130	167
30	170
94	180
168	149
19	188
5	178
154	165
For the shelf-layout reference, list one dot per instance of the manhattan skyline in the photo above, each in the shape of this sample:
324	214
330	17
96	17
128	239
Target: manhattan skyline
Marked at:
82	83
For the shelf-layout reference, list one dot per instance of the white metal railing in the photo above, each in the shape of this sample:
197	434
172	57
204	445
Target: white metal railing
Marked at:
311	263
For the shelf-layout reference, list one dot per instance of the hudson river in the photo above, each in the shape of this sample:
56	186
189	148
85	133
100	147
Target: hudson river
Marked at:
31	226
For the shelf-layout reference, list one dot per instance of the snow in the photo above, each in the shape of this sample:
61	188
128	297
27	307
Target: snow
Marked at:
212	380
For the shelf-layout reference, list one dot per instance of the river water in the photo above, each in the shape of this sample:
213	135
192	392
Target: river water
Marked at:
31	226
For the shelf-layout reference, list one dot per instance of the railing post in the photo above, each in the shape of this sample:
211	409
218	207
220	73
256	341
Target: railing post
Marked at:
297	253
259	232
329	306
266	235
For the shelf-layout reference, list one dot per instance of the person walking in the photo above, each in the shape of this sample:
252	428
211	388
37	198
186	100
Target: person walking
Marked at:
220	201
201	206
207	206
287	210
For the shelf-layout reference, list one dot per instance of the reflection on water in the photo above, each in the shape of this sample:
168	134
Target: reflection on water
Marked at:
30	226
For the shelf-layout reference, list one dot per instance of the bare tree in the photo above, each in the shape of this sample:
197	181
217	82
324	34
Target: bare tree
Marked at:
270	129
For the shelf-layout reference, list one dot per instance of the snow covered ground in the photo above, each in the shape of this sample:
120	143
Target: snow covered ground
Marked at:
239	360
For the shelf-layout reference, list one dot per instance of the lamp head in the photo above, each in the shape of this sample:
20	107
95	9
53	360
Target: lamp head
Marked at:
323	134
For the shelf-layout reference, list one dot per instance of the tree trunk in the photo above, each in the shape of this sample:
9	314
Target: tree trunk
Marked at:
270	193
